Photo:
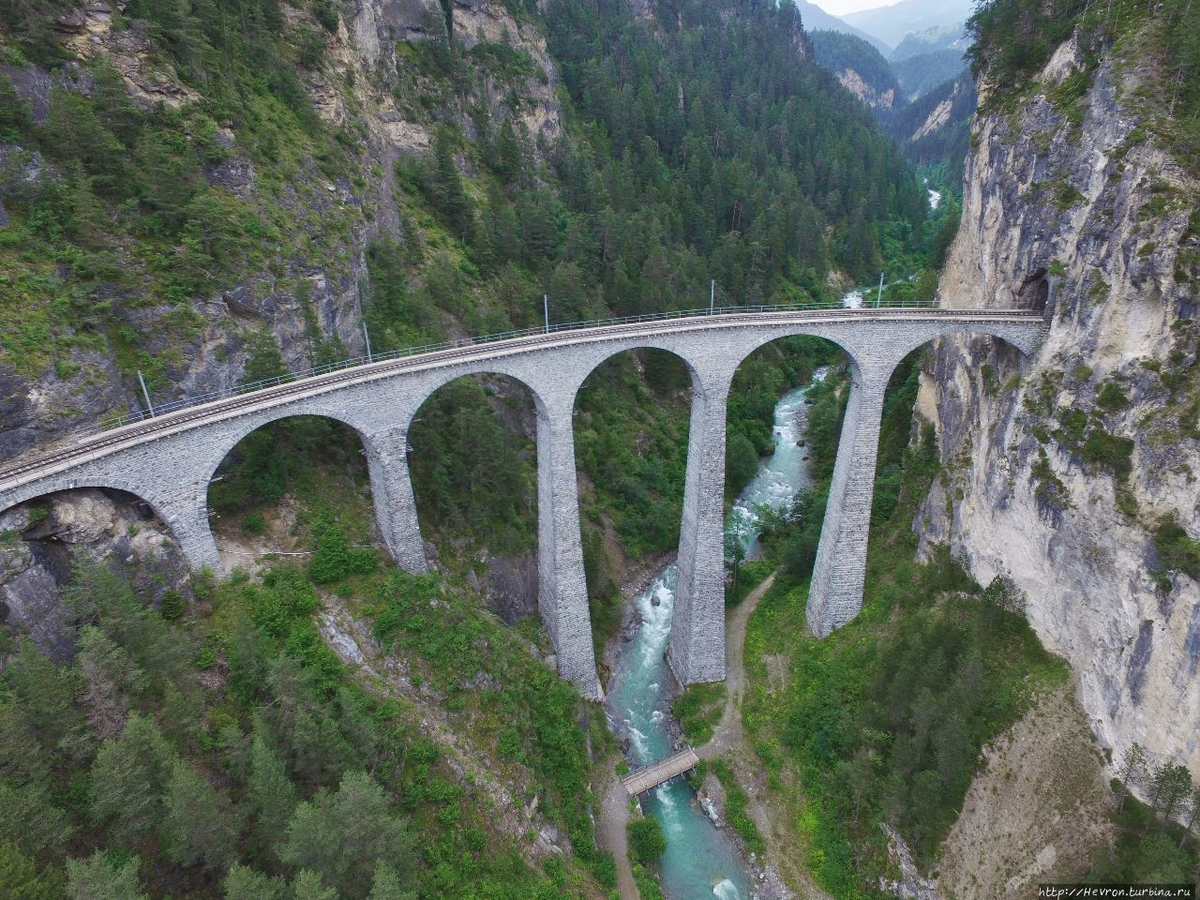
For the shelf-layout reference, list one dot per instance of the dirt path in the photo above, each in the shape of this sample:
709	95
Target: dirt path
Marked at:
614	814
729	740
728	732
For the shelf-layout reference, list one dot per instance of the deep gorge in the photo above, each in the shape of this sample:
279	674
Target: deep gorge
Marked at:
206	193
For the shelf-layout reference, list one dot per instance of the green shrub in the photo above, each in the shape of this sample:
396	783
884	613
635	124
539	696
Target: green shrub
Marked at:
646	841
331	561
1109	451
172	604
1177	551
698	709
1111	397
254	524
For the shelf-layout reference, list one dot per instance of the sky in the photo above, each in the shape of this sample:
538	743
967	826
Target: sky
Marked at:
841	7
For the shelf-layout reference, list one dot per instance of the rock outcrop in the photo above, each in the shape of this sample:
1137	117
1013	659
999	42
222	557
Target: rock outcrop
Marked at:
41	542
876	99
1056	475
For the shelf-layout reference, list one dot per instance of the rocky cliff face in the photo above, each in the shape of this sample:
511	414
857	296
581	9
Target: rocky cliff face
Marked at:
41	542
1058	469
876	99
309	288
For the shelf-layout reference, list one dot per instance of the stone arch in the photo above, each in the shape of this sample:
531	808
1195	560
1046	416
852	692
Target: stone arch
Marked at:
667	345
437	379
244	426
664	357
834	335
184	518
1021	340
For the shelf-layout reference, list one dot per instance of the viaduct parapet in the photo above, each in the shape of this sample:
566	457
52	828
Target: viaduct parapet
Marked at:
169	461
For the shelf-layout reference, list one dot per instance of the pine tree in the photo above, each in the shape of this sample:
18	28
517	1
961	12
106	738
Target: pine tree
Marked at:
20	879
344	835
1133	770
129	778
199	827
270	791
387	885
1172	783
309	886
96	878
243	883
449	197
30	819
1193	815
509	158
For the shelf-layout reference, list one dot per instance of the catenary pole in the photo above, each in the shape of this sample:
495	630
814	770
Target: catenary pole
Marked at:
145	393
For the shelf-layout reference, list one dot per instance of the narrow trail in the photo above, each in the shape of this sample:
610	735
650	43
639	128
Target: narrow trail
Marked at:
729	740
728	732
614	815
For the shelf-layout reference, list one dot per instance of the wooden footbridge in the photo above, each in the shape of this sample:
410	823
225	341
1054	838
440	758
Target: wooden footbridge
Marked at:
649	778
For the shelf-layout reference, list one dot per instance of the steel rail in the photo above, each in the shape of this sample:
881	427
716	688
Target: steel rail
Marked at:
283	390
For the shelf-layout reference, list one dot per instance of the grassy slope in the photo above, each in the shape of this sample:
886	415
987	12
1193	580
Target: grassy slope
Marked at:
885	718
212	680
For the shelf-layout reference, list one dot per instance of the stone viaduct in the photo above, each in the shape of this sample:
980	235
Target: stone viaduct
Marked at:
169	461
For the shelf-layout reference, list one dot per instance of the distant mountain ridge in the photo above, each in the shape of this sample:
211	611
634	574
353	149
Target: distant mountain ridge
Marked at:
937	38
891	24
813	18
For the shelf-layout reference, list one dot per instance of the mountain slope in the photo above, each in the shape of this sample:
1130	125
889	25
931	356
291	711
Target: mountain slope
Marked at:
860	68
1074	473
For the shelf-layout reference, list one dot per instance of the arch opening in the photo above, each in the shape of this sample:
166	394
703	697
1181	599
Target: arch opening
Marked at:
286	482
784	421
472	448
632	467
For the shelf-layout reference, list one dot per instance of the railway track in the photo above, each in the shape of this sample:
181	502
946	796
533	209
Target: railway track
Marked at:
218	409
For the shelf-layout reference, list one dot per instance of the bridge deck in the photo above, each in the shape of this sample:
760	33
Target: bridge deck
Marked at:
202	411
652	776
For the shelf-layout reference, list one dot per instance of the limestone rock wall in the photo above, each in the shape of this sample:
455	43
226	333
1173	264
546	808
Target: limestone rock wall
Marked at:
1093	220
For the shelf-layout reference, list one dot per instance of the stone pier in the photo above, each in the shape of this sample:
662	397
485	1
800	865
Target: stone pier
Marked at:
562	585
392	492
835	592
697	642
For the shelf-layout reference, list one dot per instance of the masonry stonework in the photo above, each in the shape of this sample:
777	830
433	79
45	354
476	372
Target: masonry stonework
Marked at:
170	462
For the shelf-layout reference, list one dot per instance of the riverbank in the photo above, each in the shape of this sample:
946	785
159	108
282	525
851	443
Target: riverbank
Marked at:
701	857
776	874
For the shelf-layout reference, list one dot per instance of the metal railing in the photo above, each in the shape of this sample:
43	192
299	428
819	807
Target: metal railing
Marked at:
161	409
